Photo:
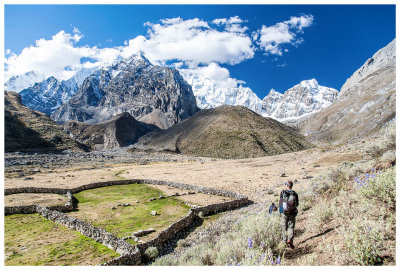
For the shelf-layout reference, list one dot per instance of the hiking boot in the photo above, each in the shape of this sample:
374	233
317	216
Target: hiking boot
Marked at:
290	244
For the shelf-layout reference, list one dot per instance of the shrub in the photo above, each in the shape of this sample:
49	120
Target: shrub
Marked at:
251	240
322	214
181	243
151	252
364	241
380	185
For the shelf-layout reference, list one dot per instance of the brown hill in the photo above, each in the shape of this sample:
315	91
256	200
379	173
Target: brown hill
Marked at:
32	131
120	131
226	132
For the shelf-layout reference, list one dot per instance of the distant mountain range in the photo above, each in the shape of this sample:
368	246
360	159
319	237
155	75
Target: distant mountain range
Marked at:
52	96
132	99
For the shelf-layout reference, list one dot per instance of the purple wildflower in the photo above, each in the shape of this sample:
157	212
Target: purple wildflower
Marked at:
278	261
250	243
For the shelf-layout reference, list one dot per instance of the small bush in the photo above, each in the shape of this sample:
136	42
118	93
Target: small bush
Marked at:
388	157
380	185
364	241
322	214
181	243
151	252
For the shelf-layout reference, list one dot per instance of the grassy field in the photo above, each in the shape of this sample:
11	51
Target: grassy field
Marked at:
95	206
33	240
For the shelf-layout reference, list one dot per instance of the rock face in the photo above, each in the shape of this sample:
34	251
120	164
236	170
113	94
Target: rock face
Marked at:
157	94
120	131
302	99
226	132
367	100
29	130
47	95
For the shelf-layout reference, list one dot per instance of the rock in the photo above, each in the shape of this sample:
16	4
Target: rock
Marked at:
282	175
308	177
28	178
36	170
113	208
152	199
153	213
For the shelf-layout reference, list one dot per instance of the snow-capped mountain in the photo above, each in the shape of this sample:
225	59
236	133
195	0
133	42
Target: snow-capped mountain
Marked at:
210	94
152	94
20	82
304	98
46	96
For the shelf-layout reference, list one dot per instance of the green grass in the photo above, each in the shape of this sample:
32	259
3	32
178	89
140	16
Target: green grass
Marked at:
95	207
33	240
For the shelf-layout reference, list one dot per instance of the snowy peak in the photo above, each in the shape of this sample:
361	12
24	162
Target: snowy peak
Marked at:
20	82
210	94
46	96
304	98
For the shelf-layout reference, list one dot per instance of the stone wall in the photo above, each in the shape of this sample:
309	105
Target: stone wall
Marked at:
98	234
204	190
129	255
30	209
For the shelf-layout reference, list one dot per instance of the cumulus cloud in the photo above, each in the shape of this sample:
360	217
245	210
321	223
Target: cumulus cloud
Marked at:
271	38
214	72
193	40
59	56
197	46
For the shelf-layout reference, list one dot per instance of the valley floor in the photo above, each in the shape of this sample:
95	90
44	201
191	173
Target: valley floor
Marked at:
261	179
254	177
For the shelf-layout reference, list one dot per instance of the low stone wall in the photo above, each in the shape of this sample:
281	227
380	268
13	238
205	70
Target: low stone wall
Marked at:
98	234
204	190
30	209
24	209
129	255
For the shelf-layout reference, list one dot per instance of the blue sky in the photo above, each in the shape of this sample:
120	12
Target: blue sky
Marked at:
326	42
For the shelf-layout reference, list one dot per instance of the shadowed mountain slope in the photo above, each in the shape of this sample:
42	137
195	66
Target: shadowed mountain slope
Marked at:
120	131
32	131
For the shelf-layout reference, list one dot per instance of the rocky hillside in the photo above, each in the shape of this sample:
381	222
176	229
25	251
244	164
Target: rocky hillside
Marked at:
120	131
154	94
29	130
367	100
226	132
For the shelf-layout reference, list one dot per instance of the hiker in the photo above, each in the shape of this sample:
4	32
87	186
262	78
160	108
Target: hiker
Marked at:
288	202
272	208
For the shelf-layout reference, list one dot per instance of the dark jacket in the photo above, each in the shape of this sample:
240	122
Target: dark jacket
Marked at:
287	193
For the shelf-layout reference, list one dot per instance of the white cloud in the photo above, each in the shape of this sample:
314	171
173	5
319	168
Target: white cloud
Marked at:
193	41
48	57
59	56
195	44
271	38
214	72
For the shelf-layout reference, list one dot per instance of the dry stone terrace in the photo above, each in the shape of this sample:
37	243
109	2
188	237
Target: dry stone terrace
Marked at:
130	255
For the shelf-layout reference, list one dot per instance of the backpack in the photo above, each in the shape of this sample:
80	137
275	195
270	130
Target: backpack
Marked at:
287	203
